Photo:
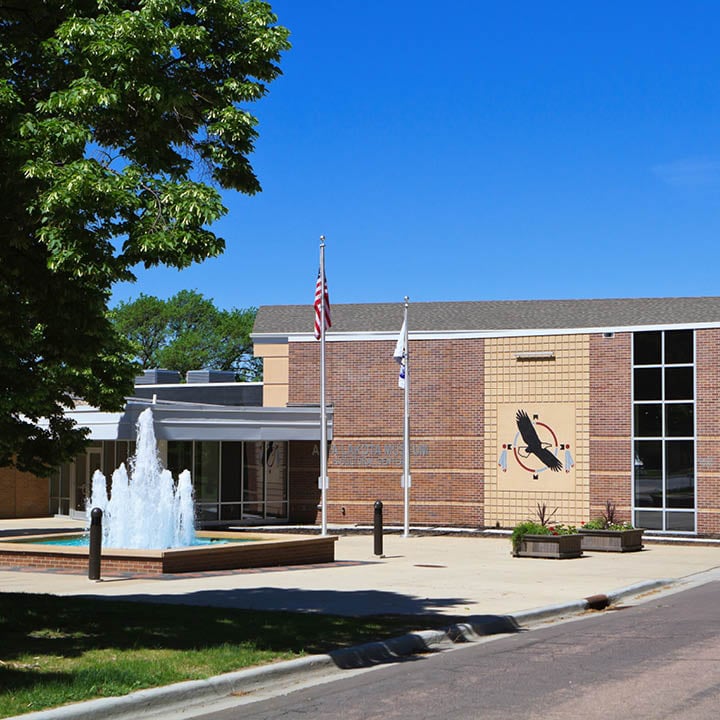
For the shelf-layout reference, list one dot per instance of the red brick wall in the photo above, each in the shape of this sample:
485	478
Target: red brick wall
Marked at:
365	462
611	423
707	383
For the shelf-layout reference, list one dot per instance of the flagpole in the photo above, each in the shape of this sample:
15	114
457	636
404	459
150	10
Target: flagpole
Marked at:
406	427
323	409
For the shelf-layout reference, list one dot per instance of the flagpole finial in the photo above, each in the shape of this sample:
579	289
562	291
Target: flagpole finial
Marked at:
322	240
407	299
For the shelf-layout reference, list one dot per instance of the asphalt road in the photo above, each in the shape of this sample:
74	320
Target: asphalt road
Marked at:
659	659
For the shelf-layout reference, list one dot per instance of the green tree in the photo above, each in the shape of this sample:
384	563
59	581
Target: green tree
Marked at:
188	332
110	111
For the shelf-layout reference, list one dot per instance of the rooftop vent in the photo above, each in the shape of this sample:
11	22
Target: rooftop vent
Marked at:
158	376
209	376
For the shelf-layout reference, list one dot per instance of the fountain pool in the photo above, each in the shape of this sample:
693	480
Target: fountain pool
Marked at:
255	550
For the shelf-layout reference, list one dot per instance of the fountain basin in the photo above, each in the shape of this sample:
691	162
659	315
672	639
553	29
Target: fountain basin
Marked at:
256	550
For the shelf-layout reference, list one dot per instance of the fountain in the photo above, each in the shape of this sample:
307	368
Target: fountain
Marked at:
148	528
145	510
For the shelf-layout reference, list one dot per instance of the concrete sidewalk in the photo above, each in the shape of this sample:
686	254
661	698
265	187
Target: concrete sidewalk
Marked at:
422	574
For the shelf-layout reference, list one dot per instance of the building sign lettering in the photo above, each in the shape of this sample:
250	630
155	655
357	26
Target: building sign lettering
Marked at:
373	454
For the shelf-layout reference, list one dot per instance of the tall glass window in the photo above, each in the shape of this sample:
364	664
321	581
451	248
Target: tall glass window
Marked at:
206	479
664	430
235	481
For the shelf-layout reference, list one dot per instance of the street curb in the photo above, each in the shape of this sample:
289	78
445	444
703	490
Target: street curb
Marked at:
195	692
185	694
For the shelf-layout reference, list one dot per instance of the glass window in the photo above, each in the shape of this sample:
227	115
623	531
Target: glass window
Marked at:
254	475
664	473
680	521
123	450
679	420
276	510
648	384
648	420
276	472
206	476
678	347
646	348
252	511
108	464
81	482
231	512
680	474
648	473
650	520
65	480
231	486
207	512
179	456
678	383
55	483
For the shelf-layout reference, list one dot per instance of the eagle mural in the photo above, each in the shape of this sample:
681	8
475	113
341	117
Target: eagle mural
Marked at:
533	444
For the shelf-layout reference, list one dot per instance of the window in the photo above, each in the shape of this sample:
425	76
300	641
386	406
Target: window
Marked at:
664	430
234	481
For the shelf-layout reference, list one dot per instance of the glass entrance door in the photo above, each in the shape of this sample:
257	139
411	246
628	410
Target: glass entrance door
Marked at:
85	466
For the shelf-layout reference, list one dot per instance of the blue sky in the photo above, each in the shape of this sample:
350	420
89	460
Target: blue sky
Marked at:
473	150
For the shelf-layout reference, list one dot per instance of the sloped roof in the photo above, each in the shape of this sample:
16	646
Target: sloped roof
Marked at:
494	315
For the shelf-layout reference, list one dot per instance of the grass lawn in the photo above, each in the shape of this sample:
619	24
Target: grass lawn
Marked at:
56	650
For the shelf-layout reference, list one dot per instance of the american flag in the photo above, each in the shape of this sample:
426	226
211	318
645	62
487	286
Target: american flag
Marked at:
318	306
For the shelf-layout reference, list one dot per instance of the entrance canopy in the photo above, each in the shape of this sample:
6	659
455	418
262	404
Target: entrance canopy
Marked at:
198	421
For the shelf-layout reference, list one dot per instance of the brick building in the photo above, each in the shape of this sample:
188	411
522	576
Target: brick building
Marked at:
567	403
623	394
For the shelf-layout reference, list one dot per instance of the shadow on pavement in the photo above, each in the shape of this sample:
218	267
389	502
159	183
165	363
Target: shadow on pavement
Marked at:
327	602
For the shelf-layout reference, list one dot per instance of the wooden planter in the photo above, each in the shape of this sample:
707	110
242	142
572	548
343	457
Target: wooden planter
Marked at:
612	540
558	547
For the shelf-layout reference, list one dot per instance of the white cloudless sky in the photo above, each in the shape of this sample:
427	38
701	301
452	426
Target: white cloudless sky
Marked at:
476	150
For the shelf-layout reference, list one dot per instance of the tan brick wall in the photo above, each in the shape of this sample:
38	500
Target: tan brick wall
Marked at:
23	495
365	463
537	383
275	372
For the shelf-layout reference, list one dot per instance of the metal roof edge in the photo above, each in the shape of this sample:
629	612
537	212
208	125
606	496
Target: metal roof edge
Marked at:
479	334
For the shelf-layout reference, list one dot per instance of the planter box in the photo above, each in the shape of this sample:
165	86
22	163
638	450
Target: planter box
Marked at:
612	540
558	547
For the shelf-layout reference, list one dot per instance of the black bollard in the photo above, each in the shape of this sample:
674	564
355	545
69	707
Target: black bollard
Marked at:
95	544
378	527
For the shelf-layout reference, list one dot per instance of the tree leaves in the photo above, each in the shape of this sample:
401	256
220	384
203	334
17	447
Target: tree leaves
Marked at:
187	332
109	112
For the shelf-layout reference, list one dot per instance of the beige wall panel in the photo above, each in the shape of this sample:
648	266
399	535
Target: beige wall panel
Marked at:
266	350
276	373
275	395
275	370
557	391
